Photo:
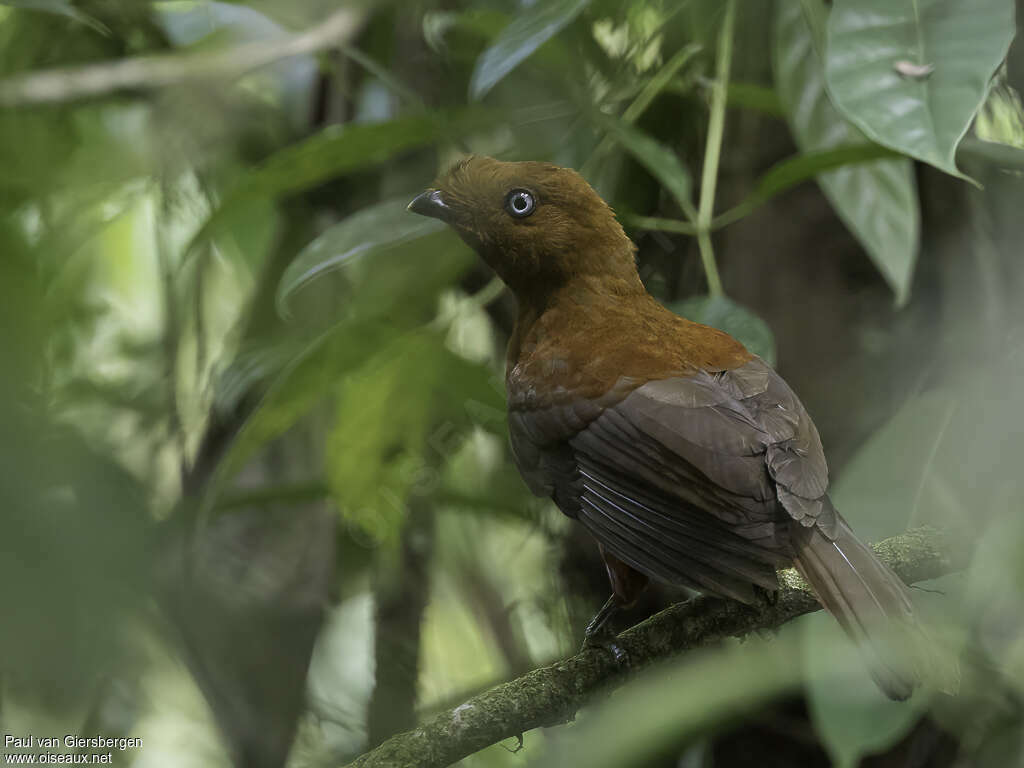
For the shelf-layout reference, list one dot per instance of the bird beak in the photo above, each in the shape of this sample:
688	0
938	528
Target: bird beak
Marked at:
430	203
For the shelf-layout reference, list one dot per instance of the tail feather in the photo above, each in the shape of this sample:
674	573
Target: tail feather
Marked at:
873	606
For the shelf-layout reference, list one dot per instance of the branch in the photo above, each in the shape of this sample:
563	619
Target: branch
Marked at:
552	695
148	72
401	595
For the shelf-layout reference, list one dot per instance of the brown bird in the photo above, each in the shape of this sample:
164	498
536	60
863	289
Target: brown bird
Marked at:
687	457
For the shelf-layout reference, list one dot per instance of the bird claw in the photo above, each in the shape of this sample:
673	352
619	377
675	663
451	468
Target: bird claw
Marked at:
609	644
599	633
770	597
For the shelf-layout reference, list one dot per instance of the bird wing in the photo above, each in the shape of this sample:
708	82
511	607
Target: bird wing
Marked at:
691	480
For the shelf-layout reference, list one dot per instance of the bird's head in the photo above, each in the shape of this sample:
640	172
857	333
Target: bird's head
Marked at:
537	225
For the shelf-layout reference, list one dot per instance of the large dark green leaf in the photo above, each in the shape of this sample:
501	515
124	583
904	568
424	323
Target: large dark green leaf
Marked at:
356	242
876	200
874	47
536	24
1000	155
659	160
726	315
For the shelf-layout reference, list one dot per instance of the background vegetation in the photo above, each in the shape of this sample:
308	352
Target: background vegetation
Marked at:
256	501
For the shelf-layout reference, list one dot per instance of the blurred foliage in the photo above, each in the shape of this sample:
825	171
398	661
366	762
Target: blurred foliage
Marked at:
887	228
233	361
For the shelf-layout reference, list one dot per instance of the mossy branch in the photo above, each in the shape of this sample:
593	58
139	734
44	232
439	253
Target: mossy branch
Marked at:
552	695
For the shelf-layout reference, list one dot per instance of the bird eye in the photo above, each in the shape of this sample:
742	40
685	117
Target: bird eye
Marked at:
519	203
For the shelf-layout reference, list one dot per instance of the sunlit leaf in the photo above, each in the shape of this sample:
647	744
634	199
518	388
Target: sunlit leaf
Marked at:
535	24
388	292
386	287
876	200
726	315
298	384
395	424
952	48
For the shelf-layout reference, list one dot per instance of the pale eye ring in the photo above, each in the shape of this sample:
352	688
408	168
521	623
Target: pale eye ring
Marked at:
519	203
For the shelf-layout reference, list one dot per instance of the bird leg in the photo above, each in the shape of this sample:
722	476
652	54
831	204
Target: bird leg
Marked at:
599	625
627	584
599	632
769	597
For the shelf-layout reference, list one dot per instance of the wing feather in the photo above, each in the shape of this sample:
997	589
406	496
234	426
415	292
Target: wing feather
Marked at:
692	480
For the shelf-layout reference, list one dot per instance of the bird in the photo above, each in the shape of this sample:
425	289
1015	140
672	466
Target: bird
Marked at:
687	457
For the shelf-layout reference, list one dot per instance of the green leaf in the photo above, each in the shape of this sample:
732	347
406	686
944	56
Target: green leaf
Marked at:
304	381
797	169
394	426
387	291
852	717
659	160
59	8
534	26
876	200
340	150
392	267
362	241
756	98
648	93
726	315
674	703
658	82
892	481
991	153
924	116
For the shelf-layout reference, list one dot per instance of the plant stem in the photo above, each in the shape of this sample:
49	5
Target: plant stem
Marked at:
713	149
662	225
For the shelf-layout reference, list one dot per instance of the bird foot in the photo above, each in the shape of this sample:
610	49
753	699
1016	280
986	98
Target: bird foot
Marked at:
609	644
599	633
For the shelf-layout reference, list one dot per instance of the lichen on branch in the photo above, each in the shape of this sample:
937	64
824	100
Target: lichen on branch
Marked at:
553	694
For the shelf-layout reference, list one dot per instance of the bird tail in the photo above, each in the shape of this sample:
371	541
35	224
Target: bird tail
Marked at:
873	606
